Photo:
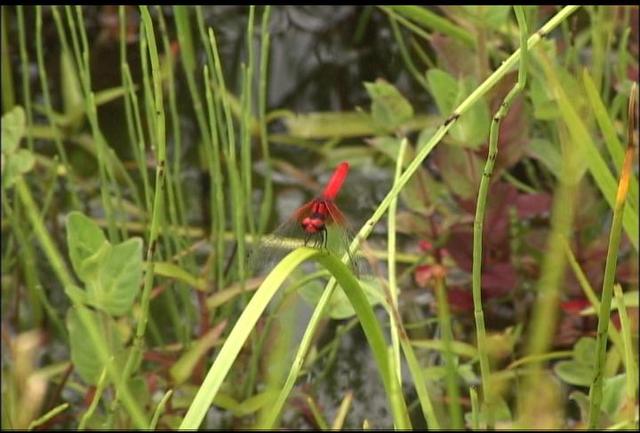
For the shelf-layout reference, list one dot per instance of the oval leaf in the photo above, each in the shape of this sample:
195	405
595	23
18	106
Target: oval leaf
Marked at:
574	373
118	280
13	125
84	352
84	239
389	108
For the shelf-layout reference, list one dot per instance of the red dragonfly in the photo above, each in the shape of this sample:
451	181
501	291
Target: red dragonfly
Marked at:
313	220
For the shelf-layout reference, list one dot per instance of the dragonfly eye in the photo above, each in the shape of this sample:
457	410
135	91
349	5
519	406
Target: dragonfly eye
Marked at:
313	224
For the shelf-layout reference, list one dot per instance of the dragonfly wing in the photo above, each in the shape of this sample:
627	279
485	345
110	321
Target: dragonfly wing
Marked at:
302	212
335	214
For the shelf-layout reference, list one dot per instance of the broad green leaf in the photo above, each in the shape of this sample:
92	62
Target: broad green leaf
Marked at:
495	16
84	352
339	306
444	89
460	170
544	107
13	127
612	394
84	239
472	128
583	351
574	373
16	165
344	124
140	390
330	124
548	153
90	267
118	281
501	414
76	294
389	108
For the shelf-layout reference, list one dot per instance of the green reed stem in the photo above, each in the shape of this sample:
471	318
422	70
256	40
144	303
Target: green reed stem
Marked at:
132	115
246	124
238	207
589	293
102	383
182	322
136	134
215	168
630	362
595	392
391	260
24	66
27	256
159	125
485	369
175	169
405	54
49	415
453	391
160	409
212	149
44	84
267	200
8	91
475	411
82	67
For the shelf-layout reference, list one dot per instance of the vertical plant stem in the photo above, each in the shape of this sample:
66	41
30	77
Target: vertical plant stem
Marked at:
180	295
444	319
82	65
391	260
159	125
160	409
614	335
102	382
265	206
475	411
237	195
479	220
8	92
595	392
405	53
46	96
215	168
24	66
246	123
132	114
630	362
